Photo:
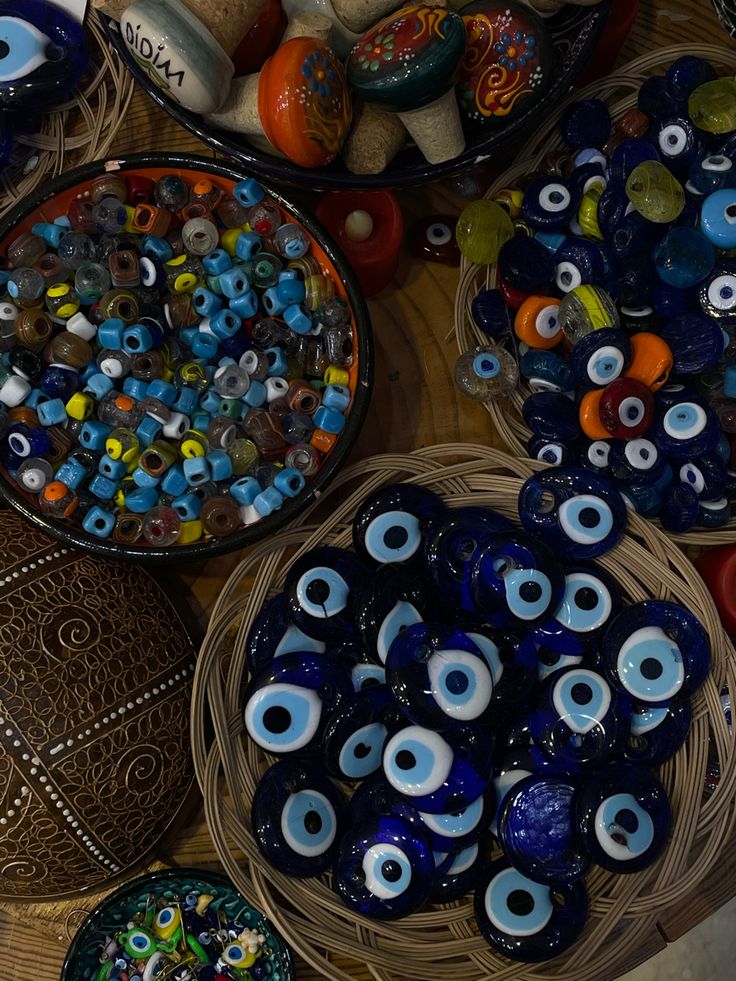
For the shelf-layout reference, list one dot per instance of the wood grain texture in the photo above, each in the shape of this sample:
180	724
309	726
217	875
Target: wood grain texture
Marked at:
414	404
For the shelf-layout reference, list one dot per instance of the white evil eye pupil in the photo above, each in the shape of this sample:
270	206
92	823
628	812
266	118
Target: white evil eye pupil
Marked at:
631	411
585	519
387	871
641	454
598	453
605	365
439	234
717	163
692	475
393	537
672	140
362	752
460	684
528	593
322	592
554	197
547	322
685	420
581	699
568	276
722	292
486	365
586	604
650	665
282	717
516	906
417	761
623	828
308	823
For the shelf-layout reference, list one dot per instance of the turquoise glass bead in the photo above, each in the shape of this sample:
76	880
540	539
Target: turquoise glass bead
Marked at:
718	218
141	500
51	413
102	487
268	501
248	192
221	466
248	245
99	522
174	482
245	305
245	490
289	482
142	478
71	473
204	345
187	506
197	471
94	434
110	333
684	257
148	430
112	469
217	262
136	388
206	302
329	420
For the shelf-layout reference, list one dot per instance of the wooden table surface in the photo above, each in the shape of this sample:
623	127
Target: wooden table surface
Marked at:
414	404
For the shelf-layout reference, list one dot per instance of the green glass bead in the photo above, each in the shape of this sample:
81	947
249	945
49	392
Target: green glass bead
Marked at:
655	193
712	106
482	229
230	408
244	456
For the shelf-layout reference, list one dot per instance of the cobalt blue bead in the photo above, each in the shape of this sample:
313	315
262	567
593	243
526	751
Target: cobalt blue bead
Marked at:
512	659
718	218
678	145
684	257
521	919
686	429
645	499
517	578
612	208
587	516
26	441
578	720
679	508
712	173
298	817
353	742
526	265
377	797
624	817
439	774
636	283
454	831
696	341
546	370
590	599
629	155
463	874
655	649
57	382
384	869
389	525
551	451
688	73
389	602
714	514
716	295
271	635
552	415
580	262
585	124
670	301
590	165
515	762
550	203
600	357
634	239
657	733
536	829
706	475
636	461
491	314
439	677
289	699
322	588
656	98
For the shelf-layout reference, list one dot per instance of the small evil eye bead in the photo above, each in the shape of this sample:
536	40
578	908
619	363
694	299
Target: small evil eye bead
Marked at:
353	742
626	408
655	650
636	461
596	456
384	869
657	732
578	262
675	139
574	512
536	829
486	373
389	602
298	817
552	452
686	430
546	371
712	173
166	922
271	634
526	265
537	322
651	360
490	314
288	700
552	415
624	816
550	203
389	525
137	943
717	294
706	475
321	589
463	874
585	124
600	357
433	238
528	921
718	218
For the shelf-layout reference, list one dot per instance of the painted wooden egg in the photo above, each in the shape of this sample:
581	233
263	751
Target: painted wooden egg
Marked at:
508	62
96	665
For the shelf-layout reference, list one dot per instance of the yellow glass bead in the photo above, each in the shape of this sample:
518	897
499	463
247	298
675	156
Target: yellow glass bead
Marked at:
60	307
588	211
129	215
229	238
186	283
712	106
482	228
192	444
80	406
655	193
336	376
122	444
191	531
119	498
585	309
510	199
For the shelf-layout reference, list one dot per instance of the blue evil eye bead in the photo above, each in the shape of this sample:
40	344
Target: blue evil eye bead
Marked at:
389	602
629	155
634	239
353	741
636	461
613	207
528	921
512	765
550	203
655	98
654	650
706	475
552	416
546	371
717	295
438	773
624	816
595	455
491	314
512	660
537	830
580	262
298	817
486	373
585	124
462	874
600	357
686	429
718	218
686	74
321	592
389	525
684	257
675	139
657	732
379	799
516	578
456	830
272	635
362	667
287	702
550	451
643	499
591	598
576	513
439	677
44	56
526	265
449	544
384	869
697	343
712	173
551	659
714	514
578	720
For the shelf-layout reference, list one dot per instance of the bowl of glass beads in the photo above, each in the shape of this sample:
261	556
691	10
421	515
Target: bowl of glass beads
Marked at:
598	327
187	359
426	701
180	924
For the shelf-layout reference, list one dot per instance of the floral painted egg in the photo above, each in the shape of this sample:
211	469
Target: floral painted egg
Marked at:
508	62
96	666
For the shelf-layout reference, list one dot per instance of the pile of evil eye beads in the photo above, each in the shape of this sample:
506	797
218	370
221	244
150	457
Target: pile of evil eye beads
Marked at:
175	360
183	939
618	274
486	697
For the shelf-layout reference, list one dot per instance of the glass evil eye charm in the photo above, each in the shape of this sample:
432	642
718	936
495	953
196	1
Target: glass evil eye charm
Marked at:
44	55
288	701
550	203
271	635
356	733
654	650
600	357
463	874
717	294
624	815
686	429
439	676
389	602
454	831
389	525
321	589
384	869
362	667
591	598
298	817
486	374
657	732
576	513
439	774
529	921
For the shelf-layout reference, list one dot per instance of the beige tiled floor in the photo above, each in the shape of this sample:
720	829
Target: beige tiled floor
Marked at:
707	953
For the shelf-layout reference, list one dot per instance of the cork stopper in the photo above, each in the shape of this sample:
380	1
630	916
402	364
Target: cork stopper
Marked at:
436	129
112	8
239	112
359	15
304	23
226	20
375	139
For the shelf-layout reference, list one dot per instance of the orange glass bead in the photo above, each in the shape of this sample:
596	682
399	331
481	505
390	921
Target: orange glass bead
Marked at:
322	440
589	414
651	360
537	322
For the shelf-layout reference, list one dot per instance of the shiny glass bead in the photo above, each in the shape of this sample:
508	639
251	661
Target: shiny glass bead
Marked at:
655	193
487	373
161	526
712	106
200	236
585	309
684	257
482	229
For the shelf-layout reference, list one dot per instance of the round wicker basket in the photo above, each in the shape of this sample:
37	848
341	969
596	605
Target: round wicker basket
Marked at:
445	940
77	131
619	92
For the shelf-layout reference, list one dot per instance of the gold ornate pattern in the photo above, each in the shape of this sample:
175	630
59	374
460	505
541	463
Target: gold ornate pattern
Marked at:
95	682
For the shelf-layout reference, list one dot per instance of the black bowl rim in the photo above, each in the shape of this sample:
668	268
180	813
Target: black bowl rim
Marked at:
153	878
285	172
204	550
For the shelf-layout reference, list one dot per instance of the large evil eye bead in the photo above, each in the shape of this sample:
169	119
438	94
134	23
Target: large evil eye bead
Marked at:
298	817
550	203
271	635
439	676
286	702
624	815
321	590
462	875
512	661
657	732
528	921
537	830
389	525
353	741
375	796
389	602
717	294
384	869
576	513
600	357
590	599
451	832
655	649
552	416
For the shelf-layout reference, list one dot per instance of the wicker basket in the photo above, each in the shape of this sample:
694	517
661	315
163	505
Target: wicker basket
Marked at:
619	92
80	130
445	941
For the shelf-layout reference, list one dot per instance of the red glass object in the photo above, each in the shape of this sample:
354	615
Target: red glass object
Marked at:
512	297
261	40
717	566
626	408
620	21
140	189
374	260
